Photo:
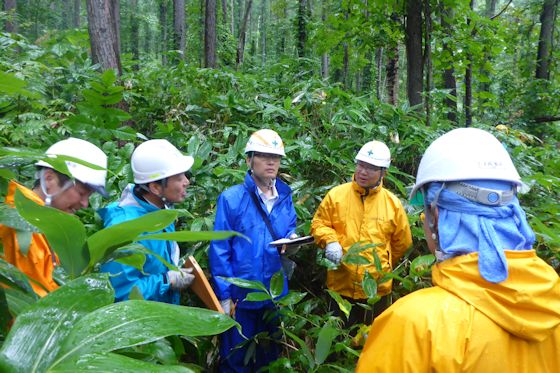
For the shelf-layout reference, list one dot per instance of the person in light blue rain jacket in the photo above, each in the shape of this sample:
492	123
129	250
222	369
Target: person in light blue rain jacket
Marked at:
243	208
159	175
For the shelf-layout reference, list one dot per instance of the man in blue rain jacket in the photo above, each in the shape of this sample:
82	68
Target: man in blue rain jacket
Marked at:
238	210
159	175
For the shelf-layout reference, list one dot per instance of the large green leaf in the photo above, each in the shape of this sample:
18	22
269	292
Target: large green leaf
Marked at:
421	265
135	322
11	275
324	343
38	333
187	236
277	284
293	297
19	301
105	241
110	362
64	232
343	304
246	284
4	314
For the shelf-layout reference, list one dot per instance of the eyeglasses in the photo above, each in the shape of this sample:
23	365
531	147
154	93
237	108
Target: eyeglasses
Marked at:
368	167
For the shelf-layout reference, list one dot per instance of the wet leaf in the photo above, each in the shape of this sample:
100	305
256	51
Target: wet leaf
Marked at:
324	343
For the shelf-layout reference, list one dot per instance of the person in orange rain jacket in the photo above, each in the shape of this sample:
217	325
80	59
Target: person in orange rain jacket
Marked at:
57	190
495	305
362	211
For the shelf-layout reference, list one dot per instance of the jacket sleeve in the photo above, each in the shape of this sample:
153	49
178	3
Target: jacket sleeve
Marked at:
220	252
322	228
401	238
151	286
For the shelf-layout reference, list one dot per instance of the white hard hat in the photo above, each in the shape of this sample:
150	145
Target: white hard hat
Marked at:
375	153
85	151
265	141
465	154
156	160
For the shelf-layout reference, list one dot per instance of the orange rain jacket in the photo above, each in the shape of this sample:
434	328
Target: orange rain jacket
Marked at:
467	324
348	215
40	260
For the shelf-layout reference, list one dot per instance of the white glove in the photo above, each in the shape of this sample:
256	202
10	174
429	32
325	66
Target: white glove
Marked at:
293	236
181	279
333	252
226	305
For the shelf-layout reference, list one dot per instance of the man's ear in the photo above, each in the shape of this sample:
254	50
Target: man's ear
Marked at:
155	188
52	182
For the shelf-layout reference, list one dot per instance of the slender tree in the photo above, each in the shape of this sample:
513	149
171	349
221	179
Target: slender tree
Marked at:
134	35
103	34
224	12
428	57
10	6
544	51
468	79
210	34
301	27
325	56
413	40
76	13
242	34
449	82
163	28
179	26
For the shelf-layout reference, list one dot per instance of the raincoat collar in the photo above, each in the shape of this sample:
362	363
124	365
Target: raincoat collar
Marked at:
526	305
13	185
362	191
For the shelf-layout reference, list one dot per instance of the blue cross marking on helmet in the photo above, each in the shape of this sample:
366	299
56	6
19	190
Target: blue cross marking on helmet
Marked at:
370	152
275	143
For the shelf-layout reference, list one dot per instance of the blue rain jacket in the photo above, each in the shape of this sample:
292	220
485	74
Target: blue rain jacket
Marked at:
256	260
153	283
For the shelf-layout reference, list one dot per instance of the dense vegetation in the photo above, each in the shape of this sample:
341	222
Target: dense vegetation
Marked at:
50	89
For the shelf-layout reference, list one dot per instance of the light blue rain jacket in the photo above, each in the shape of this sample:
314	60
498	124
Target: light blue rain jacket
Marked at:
153	282
255	260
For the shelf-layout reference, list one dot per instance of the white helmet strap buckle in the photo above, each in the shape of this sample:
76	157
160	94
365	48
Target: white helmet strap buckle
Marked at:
489	197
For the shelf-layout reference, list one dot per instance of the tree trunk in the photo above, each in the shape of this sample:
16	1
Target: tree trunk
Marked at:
102	34
115	22
489	13
10	6
393	75
301	27
324	56
414	51
210	34
449	82
468	81
76	14
232	22
242	32
179	27
544	50
134	39
163	27
262	31
66	18
378	70
428	57
346	56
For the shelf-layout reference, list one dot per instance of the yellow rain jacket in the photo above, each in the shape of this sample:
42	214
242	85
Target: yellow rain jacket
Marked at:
40	260
348	215
467	324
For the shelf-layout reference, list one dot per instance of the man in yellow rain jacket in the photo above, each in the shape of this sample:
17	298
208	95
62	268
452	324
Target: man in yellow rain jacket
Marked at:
57	190
495	306
362	211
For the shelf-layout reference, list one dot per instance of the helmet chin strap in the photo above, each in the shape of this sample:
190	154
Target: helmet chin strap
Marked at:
49	197
428	211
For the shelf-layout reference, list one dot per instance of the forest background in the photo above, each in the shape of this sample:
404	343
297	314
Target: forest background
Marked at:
328	75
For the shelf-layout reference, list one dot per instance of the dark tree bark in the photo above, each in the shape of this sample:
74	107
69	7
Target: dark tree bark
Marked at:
449	82
163	27
301	27
179	26
367	70
103	35
544	50
134	35
378	71
489	13
346	56
76	14
428	57
414	51
324	56
242	33
10	6
262	30
468	82
115	21
210	34
393	75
